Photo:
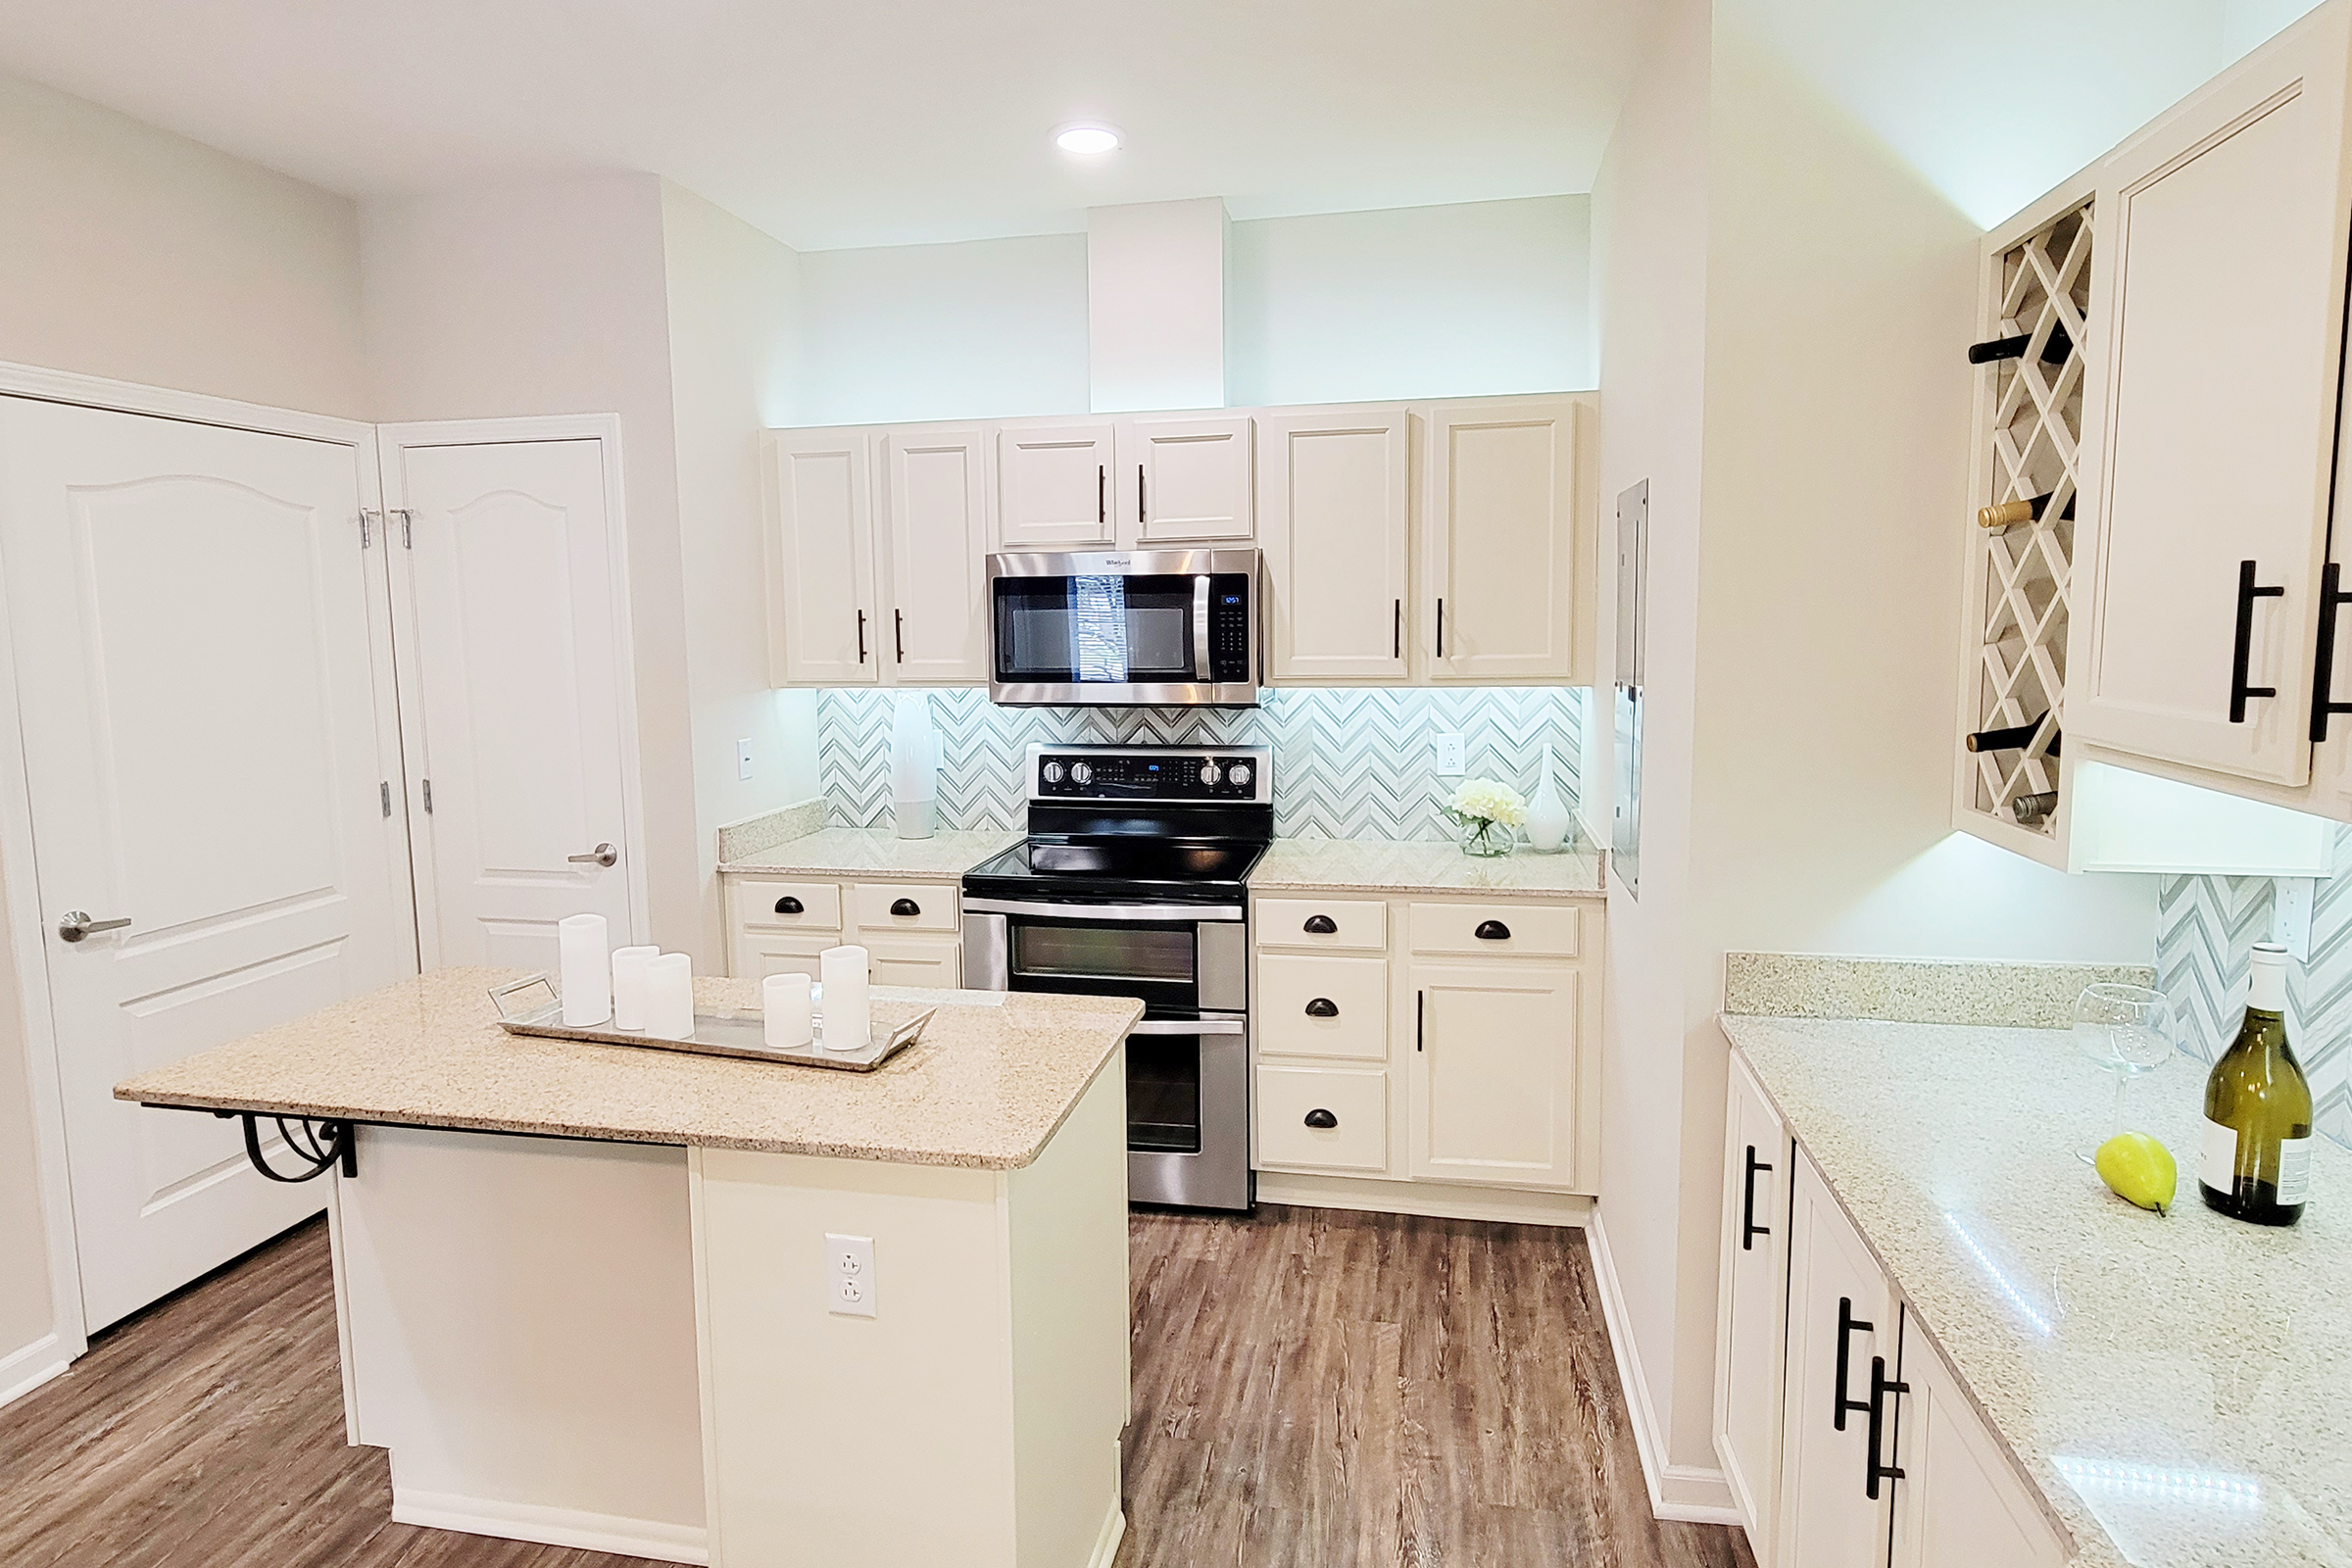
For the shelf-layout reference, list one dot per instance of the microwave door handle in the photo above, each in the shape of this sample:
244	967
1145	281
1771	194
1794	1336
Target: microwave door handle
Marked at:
1201	631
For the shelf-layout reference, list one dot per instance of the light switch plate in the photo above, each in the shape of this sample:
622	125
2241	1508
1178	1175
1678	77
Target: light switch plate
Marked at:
743	758
1453	757
850	1275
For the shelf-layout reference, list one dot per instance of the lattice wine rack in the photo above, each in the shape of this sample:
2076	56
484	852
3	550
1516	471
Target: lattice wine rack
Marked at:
2028	422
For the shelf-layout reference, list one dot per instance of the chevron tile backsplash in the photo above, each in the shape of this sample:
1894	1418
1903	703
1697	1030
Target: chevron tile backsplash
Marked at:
1349	763
2206	927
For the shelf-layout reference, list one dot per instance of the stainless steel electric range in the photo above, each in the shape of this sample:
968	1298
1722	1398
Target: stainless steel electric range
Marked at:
1131	884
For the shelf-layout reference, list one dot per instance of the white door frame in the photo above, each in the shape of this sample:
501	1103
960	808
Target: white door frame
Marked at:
28	947
603	429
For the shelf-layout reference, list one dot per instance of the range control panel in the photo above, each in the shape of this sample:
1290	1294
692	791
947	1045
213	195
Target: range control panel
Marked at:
1241	773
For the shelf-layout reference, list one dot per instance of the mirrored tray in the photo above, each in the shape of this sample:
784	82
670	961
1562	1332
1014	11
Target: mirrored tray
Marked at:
533	1007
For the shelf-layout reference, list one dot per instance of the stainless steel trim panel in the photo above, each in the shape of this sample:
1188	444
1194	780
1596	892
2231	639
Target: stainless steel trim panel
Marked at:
1222	967
1108	913
986	951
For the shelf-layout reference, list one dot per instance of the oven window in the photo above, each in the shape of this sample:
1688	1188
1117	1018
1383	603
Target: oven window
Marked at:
1163	1094
1110	629
1103	952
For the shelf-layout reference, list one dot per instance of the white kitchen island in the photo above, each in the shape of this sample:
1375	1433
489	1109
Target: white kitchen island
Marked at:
585	1293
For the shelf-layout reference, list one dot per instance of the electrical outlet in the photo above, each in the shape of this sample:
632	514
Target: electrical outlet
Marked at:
743	758
849	1276
1453	757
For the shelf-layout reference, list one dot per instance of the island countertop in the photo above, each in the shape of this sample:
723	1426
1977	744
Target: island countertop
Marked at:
2173	1386
987	1086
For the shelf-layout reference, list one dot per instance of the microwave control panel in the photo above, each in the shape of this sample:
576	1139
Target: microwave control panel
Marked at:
1229	629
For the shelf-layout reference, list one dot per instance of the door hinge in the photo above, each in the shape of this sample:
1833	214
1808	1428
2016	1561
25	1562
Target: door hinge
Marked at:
386	788
408	523
428	797
367	527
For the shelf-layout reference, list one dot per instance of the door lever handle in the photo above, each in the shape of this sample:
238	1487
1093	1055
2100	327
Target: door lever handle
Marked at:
77	924
601	855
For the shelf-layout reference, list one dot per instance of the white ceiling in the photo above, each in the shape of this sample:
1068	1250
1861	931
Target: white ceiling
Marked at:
860	122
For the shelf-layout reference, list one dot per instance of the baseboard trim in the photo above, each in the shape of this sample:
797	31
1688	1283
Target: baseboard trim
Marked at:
1107	1544
1691	1493
25	1371
551	1527
1430	1200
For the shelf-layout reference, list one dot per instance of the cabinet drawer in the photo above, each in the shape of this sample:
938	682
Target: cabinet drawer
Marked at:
760	954
1310	1005
1539	930
905	907
1356	1100
1359	923
935	962
765	903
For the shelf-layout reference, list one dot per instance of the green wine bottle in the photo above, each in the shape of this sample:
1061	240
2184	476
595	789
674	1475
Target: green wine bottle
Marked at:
2255	1163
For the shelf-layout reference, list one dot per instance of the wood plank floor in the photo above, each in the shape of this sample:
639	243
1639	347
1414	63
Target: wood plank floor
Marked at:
1311	1389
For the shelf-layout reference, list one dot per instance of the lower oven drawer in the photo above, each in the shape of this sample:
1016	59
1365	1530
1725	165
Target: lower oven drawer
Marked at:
1292	1102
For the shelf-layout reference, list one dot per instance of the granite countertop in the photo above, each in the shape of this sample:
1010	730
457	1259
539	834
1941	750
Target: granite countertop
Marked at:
1389	866
2174	1386
875	851
987	1085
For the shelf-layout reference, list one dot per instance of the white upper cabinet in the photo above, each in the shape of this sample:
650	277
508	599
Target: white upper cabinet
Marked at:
2220	293
1184	482
820	560
1500	546
936	485
1054	486
1334	520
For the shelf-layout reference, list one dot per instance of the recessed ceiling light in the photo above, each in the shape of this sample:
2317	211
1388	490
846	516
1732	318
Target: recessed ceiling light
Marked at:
1087	137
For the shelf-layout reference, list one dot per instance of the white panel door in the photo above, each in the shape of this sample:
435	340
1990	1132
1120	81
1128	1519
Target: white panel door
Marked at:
820	559
2220	291
207	739
1752	1341
1185	481
1499	530
1054	486
1493	1075
514	677
1335	518
938	499
1960	1504
1840	1319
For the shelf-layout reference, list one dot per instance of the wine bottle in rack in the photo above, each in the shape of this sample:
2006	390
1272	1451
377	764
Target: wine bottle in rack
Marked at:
2031	810
2005	513
2255	1161
2054	349
2013	738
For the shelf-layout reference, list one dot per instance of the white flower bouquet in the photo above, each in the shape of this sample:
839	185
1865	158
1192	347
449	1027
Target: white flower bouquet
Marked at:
1487	813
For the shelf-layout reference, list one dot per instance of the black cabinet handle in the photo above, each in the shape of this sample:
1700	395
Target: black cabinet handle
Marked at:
1492	931
2322	681
1322	1008
1440	627
788	904
1319	926
1420	1014
1139	492
1749	1230
1102	493
1321	1118
1396	635
862	636
1881	1386
899	630
1848	1326
2242	653
905	907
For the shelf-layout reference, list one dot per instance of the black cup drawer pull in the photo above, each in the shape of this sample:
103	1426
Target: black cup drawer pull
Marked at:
1320	925
788	904
905	907
1492	931
1322	1118
1322	1008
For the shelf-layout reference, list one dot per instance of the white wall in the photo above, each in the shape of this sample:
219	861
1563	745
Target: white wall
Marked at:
551	299
1414	301
735	366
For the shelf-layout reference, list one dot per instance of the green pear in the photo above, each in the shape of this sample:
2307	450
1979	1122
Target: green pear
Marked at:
2139	1170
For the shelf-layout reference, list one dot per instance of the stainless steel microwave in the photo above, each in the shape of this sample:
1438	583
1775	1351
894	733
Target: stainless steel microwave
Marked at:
1124	629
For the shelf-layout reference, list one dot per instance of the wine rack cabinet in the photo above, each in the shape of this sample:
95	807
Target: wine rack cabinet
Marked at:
2027	458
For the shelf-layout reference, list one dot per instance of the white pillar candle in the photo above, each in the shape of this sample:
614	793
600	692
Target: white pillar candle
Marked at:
584	962
785	1000
669	995
628	984
848	1006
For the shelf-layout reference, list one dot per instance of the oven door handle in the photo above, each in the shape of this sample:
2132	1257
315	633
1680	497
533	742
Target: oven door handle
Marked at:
1201	631
1109	914
1192	1026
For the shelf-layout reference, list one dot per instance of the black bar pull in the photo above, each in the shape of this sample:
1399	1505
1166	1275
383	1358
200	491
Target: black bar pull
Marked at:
1749	1230
2247	593
1322	1118
1322	1008
1492	931
1397	636
1881	1386
2323	678
788	904
1319	926
905	907
1440	625
862	636
898	629
1102	493
1139	492
1420	1014
1848	1326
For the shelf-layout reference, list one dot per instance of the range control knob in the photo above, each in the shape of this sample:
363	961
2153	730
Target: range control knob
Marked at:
1208	772
1239	775
1081	774
1051	773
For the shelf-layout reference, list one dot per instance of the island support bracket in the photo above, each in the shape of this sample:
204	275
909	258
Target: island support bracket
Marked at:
318	1144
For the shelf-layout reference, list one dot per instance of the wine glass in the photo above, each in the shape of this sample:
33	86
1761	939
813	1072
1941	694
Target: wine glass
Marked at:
2128	1030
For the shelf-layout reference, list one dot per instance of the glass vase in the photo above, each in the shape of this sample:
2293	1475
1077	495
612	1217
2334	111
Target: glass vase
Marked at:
1487	839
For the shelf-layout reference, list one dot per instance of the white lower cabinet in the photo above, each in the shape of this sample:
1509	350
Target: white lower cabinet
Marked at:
1751	1335
930	962
1960	1504
1833	1512
1493	1072
1323	1118
781	924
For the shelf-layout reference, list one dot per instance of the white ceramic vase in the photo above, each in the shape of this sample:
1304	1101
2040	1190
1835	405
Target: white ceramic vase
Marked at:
1548	818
